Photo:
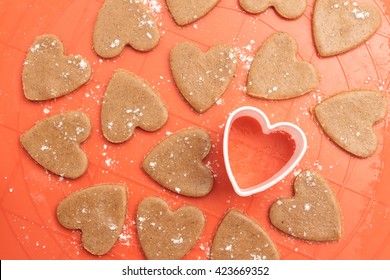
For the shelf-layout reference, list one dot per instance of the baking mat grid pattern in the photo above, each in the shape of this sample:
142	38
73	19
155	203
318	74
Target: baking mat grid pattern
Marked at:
29	195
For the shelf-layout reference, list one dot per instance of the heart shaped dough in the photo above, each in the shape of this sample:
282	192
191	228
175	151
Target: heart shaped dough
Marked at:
176	163
165	234
348	119
276	73
99	212
48	73
290	9
122	22
339	25
202	78
312	214
129	102
185	12
239	237
55	143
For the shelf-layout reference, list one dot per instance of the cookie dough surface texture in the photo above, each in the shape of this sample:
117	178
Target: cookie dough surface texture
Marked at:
202	77
123	22
48	73
276	73
348	119
176	163
340	26
130	102
55	143
165	234
312	214
240	237
290	9
99	212
188	11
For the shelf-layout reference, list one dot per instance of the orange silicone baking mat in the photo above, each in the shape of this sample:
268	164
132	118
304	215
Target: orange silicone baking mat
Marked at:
29	194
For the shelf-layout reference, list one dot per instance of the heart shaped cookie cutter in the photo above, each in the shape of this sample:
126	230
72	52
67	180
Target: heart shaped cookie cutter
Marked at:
296	133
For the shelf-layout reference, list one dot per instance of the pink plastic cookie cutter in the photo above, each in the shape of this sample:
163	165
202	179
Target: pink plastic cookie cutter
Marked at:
296	134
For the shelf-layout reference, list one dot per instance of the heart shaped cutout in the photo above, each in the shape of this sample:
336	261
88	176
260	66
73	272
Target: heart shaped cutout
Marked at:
297	136
291	9
185	12
312	214
240	237
55	143
99	212
276	73
129	102
122	22
165	234
202	78
339	26
348	119
176	163
48	73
